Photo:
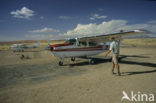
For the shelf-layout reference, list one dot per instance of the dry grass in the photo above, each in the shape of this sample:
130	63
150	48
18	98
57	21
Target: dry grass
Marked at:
4	48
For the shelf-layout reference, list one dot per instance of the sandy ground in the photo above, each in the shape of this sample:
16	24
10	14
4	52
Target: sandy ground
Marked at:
39	79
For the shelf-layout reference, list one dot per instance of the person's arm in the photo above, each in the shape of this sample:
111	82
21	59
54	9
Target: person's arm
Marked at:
110	49
107	53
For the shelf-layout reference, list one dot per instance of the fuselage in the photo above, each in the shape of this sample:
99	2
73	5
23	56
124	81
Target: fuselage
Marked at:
21	47
71	50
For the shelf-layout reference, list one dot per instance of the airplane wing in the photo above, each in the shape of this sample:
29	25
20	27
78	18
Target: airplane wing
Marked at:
106	38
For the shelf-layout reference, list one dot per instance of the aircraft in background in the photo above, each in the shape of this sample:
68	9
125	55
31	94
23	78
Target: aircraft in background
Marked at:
22	47
48	47
87	46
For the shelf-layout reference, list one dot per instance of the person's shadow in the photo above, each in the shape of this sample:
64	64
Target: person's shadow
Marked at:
133	73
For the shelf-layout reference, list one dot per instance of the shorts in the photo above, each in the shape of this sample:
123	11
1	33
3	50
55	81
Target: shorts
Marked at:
115	58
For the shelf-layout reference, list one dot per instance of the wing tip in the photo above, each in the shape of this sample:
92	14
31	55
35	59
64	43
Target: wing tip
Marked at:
141	31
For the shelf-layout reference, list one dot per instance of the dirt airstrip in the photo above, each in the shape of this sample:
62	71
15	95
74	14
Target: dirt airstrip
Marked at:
38	78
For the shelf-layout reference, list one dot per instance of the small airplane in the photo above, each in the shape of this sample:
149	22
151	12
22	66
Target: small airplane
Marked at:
22	47
87	46
48	47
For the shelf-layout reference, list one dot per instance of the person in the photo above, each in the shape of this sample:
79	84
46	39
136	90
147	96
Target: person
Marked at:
114	48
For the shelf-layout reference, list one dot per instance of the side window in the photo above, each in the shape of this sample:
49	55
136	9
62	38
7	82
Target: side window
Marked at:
82	43
92	44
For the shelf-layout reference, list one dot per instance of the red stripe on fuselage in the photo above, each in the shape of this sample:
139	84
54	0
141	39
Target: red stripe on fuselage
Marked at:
80	49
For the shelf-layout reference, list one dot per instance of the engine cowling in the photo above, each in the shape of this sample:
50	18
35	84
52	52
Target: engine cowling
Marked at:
59	45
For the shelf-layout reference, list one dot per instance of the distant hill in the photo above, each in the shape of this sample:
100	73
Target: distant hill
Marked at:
139	37
140	42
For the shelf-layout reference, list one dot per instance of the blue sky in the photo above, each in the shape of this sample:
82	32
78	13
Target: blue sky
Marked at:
35	19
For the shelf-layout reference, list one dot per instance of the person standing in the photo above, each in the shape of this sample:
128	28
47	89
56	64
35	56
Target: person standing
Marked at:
114	48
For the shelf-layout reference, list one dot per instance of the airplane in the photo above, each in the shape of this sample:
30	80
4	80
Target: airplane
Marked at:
22	47
88	46
48	47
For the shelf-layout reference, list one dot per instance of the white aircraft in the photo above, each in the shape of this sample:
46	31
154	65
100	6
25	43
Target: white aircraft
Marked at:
22	47
87	46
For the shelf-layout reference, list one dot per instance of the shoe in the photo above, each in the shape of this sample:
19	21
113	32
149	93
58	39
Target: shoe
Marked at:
119	74
113	72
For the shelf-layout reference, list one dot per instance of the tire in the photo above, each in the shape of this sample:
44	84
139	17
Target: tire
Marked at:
60	63
91	61
22	56
72	58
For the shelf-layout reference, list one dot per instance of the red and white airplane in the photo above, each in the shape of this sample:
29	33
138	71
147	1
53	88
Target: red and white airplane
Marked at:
87	46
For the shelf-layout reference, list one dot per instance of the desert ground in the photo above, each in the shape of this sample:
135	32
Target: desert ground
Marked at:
38	79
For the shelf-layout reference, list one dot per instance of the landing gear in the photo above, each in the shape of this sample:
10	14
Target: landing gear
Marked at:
60	63
22	56
72	58
91	61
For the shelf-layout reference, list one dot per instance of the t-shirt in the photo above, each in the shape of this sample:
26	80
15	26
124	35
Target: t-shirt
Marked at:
114	46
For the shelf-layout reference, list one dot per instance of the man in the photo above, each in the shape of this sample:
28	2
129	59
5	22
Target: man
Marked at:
114	48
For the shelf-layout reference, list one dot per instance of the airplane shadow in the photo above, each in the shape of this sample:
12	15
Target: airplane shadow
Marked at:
135	62
121	57
97	61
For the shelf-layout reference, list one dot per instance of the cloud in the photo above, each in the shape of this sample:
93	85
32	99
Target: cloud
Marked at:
45	30
45	37
65	17
152	22
36	37
108	27
100	9
42	17
97	16
24	13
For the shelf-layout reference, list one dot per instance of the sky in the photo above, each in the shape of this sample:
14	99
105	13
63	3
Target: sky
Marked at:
44	19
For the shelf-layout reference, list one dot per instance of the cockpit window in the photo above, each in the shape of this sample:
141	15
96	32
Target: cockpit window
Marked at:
87	44
71	41
81	43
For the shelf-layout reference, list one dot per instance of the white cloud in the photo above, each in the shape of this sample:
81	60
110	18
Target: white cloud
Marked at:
45	30
107	28
36	37
152	22
45	37
100	9
65	17
42	17
23	13
97	16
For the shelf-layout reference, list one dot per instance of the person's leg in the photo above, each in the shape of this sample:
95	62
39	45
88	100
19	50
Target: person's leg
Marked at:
113	66
116	63
118	68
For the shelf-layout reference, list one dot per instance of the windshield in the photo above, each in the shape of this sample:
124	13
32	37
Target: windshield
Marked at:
71	41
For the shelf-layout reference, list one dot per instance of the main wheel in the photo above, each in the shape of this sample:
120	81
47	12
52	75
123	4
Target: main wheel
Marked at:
91	61
60	63
22	56
72	58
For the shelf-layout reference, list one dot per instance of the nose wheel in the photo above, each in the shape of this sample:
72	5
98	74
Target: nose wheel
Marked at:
72	58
